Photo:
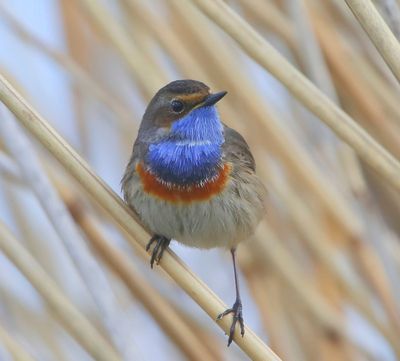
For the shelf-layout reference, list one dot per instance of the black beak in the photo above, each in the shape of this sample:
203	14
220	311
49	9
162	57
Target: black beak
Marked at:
213	98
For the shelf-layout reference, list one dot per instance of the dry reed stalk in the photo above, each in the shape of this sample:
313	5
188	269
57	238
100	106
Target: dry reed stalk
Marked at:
17	352
9	170
378	31
90	271
203	334
315	66
386	198
265	292
188	61
79	327
367	260
79	48
42	254
363	144
307	332
294	350
116	208
268	14
334	348
386	94
32	237
167	39
271	17
267	247
252	107
219	55
146	47
147	81
320	245
347	20
311	56
327	345
169	320
267	56
190	66
353	167
326	230
35	331
354	85
394	248
392	11
372	269
77	73
371	109
385	91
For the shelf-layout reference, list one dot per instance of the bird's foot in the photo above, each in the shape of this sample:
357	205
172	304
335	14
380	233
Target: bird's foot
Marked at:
161	244
237	316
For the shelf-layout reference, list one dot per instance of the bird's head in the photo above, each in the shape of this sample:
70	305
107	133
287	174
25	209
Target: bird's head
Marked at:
183	109
184	134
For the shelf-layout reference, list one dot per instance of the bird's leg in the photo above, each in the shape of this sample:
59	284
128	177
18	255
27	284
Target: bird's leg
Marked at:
237	306
161	244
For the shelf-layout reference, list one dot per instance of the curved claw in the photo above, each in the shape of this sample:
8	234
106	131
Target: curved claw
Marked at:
237	316
158	250
152	240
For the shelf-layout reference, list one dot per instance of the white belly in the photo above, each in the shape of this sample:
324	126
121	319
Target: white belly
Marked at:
222	221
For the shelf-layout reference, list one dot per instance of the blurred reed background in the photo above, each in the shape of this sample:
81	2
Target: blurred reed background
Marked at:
320	276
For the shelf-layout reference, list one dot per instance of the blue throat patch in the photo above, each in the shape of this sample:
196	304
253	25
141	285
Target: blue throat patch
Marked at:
192	151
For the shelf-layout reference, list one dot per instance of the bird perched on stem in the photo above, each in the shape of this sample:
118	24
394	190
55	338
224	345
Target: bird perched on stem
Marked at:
191	178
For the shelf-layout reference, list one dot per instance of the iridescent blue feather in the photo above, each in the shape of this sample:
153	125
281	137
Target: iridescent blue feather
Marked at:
192	151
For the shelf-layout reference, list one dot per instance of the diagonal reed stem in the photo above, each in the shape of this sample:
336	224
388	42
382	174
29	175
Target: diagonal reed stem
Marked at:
16	351
168	319
379	33
84	332
88	268
120	213
266	55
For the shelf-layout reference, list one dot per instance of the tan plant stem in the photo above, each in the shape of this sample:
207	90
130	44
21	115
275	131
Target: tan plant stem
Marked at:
83	331
17	352
89	84
93	276
158	307
266	55
117	209
378	31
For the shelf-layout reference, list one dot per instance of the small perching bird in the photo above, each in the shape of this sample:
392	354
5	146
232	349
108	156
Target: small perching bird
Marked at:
191	178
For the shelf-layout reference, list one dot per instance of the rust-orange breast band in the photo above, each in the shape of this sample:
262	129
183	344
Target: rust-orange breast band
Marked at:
184	194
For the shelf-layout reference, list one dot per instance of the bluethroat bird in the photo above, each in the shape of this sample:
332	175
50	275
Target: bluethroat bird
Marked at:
192	178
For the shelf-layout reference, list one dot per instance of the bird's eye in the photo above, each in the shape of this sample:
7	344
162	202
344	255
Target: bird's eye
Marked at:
177	106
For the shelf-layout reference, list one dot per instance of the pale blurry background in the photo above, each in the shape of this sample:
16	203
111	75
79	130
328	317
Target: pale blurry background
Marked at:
320	279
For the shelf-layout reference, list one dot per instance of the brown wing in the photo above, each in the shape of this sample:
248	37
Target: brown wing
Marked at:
236	150
138	152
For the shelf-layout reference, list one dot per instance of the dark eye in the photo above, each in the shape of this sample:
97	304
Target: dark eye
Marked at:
177	106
